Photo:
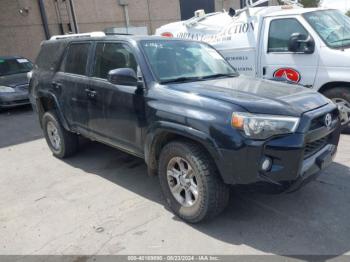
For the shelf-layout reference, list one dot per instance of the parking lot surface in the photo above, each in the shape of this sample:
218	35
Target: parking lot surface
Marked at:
101	201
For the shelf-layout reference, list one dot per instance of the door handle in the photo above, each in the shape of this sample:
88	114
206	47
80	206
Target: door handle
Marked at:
91	93
56	85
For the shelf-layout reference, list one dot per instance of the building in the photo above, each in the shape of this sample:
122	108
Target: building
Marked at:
25	23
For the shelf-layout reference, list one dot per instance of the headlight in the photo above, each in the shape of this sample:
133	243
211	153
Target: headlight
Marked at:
6	89
264	126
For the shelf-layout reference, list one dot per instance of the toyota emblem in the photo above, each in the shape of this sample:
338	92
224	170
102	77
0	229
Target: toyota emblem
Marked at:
328	120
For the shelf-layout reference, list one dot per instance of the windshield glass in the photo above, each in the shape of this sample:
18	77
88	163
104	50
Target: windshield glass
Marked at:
14	66
179	61
332	26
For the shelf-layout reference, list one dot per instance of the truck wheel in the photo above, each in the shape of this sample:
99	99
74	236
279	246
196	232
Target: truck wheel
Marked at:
190	182
340	96
61	142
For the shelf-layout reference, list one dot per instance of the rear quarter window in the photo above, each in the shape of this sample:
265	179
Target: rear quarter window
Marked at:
50	55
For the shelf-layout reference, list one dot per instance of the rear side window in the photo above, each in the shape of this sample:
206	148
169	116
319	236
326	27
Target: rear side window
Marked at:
111	56
280	32
76	58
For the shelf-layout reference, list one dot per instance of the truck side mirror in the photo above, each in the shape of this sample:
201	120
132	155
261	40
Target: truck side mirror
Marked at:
300	43
122	76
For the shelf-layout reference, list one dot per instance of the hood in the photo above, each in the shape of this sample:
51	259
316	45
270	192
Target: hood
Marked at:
14	80
257	96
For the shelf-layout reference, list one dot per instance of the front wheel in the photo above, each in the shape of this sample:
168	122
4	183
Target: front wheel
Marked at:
190	182
341	97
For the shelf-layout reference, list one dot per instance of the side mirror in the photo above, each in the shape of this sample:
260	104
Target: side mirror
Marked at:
122	76
299	43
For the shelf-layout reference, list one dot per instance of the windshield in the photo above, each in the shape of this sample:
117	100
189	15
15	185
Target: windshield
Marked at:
180	61
14	66
332	26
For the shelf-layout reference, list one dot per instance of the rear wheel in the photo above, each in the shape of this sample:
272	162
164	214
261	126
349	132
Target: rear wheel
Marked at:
190	182
61	142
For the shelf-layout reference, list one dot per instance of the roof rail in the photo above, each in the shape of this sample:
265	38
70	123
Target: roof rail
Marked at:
92	34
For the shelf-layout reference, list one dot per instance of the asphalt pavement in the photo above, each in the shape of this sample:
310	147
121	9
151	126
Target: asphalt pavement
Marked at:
101	201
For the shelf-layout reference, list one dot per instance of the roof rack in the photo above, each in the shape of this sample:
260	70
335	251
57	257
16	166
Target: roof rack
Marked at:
92	34
250	3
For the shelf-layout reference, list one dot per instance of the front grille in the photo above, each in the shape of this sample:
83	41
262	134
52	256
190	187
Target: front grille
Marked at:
315	146
318	122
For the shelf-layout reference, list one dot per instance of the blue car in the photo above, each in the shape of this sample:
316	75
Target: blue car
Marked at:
13	81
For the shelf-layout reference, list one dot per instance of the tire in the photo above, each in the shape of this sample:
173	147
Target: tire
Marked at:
61	142
212	194
340	94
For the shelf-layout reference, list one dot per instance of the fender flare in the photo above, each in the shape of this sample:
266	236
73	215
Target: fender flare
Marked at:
156	133
40	108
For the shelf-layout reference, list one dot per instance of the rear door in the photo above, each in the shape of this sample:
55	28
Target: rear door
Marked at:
115	110
277	61
71	83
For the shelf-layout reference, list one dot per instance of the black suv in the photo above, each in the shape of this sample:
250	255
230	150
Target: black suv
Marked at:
183	109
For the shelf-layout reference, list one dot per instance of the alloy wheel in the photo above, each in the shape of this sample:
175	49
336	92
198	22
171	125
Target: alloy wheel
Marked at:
182	181
53	135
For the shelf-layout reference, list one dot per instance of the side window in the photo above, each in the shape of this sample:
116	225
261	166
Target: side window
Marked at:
111	56
76	58
280	32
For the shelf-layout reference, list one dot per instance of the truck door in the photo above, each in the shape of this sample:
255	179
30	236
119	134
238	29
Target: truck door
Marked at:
288	51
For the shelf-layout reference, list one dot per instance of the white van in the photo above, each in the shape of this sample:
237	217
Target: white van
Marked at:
306	46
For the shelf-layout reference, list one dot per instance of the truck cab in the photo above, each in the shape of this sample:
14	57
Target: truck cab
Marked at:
309	47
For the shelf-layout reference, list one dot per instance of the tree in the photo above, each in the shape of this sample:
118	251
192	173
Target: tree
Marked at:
348	13
305	3
309	3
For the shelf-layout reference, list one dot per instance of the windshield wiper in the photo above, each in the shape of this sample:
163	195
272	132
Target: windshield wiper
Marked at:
180	79
189	79
342	40
219	75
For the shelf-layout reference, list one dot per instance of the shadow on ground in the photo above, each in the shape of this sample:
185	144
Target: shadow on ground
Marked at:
18	125
313	220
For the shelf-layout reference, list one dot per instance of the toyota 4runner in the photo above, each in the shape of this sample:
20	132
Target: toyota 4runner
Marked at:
183	109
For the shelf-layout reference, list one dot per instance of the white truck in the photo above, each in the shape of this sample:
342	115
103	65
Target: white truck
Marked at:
306	46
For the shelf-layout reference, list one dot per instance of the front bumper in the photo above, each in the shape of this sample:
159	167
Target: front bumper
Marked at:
18	98
296	158
313	165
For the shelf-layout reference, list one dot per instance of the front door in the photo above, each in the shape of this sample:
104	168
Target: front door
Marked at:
115	110
276	59
70	84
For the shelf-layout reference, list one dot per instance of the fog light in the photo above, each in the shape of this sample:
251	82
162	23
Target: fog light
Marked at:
266	164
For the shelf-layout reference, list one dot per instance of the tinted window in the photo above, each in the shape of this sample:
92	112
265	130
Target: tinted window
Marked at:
14	66
280	32
111	56
50	55
76	59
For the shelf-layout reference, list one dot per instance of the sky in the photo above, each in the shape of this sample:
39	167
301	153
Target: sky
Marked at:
343	5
